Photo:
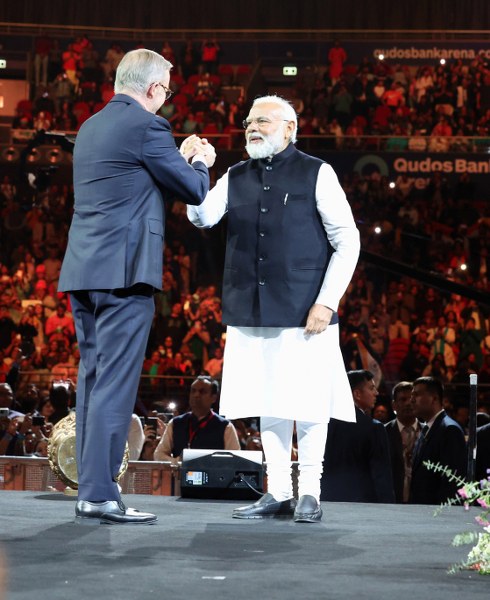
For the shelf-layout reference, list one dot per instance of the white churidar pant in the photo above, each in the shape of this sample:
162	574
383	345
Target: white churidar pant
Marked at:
277	441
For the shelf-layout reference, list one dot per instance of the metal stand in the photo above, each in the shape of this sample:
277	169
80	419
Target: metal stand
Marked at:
470	472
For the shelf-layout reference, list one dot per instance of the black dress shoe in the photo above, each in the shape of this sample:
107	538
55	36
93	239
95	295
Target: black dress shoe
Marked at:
110	513
308	510
266	508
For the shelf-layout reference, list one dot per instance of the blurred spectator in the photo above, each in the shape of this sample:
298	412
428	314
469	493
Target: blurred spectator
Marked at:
42	50
210	51
336	59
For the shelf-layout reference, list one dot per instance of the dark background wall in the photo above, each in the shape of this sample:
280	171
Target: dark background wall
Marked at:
261	14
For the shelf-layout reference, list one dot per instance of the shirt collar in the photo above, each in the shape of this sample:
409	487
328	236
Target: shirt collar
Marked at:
432	421
415	425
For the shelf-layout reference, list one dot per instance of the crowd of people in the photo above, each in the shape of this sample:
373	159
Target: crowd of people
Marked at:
430	107
407	329
72	84
435	108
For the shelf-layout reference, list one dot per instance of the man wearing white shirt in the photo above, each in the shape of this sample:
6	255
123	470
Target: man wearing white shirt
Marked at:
291	251
402	434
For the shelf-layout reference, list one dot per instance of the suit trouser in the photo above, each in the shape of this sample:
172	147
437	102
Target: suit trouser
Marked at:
277	436
112	329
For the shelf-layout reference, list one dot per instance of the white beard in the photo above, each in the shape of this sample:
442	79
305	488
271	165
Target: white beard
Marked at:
271	144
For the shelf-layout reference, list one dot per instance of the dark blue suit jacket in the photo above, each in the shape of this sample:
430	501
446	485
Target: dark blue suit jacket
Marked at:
357	464
482	452
126	164
444	444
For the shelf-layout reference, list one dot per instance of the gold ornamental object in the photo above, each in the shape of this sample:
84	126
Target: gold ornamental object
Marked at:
62	453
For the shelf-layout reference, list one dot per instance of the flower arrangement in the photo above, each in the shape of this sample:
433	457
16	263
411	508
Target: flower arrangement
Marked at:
476	492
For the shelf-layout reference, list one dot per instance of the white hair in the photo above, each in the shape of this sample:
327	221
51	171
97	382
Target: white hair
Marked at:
139	69
286	109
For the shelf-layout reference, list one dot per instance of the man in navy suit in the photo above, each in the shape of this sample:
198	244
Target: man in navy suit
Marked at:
125	165
357	464
441	441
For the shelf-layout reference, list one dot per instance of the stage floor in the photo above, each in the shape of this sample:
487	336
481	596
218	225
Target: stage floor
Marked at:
197	551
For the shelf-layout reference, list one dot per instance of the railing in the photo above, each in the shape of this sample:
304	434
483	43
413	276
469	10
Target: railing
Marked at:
166	389
234	140
158	478
222	34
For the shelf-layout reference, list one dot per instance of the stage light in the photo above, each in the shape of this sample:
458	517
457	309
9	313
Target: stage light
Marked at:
171	406
381	56
33	155
10	154
55	156
377	230
443	61
463	267
392	185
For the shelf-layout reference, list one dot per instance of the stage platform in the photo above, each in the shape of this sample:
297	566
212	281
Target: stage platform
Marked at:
197	551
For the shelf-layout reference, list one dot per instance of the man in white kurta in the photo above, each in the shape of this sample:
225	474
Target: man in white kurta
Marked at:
282	357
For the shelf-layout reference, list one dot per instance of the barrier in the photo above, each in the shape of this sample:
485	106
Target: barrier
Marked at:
157	478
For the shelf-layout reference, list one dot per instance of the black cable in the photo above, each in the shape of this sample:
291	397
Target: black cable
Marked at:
241	477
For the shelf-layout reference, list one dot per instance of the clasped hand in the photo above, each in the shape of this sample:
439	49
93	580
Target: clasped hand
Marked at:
194	146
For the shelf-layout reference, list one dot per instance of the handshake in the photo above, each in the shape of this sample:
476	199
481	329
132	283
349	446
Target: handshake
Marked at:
197	148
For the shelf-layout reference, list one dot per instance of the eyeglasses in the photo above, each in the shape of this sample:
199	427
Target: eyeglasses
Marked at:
168	92
261	122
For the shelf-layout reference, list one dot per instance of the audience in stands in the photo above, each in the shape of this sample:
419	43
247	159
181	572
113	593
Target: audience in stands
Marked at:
409	329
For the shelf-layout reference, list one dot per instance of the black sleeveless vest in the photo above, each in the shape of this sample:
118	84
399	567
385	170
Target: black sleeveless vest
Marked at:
209	437
277	250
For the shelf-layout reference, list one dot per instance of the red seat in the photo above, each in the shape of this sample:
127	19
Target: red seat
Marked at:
177	80
180	99
193	79
188	89
242	74
227	74
215	80
24	107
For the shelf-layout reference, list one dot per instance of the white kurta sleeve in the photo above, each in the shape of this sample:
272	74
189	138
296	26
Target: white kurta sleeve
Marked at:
215	205
342	234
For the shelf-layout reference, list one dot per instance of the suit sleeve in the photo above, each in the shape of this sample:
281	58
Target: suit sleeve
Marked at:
169	168
380	465
454	457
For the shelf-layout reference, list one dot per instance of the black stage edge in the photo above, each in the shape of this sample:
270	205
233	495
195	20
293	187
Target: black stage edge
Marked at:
197	551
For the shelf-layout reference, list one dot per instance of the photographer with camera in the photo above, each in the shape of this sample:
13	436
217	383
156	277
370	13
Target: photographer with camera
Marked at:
15	427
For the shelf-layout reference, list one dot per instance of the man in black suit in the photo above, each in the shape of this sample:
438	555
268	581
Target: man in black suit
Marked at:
402	433
357	464
482	452
441	441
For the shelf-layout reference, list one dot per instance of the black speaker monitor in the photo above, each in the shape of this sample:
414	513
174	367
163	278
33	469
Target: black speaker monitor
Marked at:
221	474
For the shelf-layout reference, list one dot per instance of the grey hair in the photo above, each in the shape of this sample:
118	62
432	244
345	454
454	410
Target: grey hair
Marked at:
139	69
287	110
